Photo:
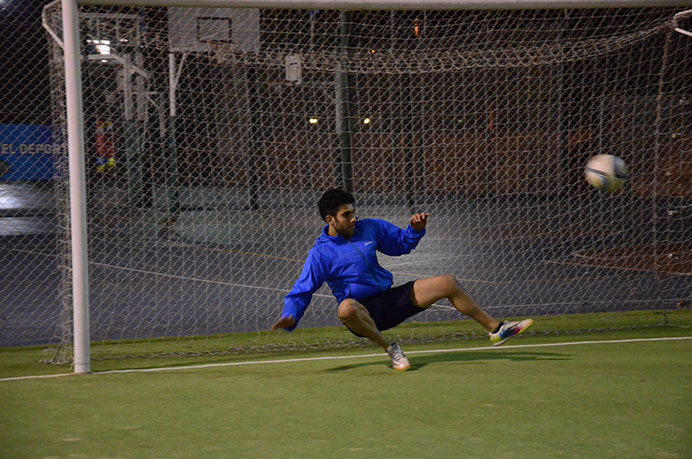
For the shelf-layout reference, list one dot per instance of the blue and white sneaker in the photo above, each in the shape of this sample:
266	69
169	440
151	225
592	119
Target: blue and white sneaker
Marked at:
509	329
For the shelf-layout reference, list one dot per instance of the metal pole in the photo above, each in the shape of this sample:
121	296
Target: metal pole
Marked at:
173	195
132	138
562	151
75	145
344	104
657	157
412	101
253	115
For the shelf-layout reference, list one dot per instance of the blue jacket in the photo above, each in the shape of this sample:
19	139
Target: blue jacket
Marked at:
349	267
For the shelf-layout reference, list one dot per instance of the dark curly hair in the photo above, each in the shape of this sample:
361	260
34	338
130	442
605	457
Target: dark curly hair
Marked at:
332	199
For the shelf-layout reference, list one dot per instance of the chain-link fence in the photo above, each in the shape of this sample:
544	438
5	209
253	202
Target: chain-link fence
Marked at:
210	135
31	278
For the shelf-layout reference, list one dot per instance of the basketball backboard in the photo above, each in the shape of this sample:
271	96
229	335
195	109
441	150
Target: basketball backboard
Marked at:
193	29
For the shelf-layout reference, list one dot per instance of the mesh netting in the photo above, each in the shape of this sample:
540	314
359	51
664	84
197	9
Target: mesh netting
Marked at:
199	219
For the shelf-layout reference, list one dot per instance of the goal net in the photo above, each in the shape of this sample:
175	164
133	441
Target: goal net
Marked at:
211	133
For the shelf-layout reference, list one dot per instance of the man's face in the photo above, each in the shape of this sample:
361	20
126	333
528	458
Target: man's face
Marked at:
344	223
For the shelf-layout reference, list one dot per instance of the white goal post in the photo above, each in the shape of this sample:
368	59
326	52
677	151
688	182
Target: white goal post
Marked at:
75	116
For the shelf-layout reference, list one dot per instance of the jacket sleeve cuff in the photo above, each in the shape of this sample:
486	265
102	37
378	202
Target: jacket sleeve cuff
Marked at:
416	234
290	329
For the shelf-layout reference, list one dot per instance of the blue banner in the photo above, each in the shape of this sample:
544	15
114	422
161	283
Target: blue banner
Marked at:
27	152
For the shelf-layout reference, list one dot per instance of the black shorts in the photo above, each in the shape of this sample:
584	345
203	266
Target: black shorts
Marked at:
390	307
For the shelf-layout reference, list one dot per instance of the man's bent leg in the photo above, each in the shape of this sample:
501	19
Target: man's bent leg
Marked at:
427	291
357	319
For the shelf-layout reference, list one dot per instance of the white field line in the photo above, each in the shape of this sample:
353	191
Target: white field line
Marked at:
359	356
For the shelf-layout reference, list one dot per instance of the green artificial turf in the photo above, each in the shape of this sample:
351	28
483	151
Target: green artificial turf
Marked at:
625	399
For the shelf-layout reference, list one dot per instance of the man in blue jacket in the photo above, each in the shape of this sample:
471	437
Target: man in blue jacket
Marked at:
345	257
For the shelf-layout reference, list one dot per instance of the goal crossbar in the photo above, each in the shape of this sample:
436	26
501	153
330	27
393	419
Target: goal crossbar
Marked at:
395	4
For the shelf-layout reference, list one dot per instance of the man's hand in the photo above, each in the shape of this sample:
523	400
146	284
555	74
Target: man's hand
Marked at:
418	221
284	322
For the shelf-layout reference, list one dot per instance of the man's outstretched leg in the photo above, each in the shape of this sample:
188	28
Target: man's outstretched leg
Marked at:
357	318
427	291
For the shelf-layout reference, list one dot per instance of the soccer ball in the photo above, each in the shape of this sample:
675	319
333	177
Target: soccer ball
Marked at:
606	172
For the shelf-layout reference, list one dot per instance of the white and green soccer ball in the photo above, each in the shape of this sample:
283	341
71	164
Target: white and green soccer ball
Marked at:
606	172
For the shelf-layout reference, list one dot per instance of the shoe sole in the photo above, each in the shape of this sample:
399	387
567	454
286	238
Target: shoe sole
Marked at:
516	334
408	365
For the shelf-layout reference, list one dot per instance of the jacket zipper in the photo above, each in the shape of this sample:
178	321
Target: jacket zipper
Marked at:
366	263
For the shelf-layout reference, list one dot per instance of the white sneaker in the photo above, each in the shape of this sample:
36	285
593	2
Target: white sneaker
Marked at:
399	360
509	329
